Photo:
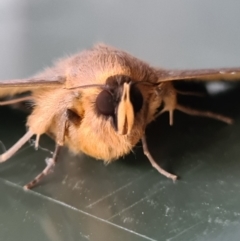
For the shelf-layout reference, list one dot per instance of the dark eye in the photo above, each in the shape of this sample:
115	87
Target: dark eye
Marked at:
73	116
136	98
105	103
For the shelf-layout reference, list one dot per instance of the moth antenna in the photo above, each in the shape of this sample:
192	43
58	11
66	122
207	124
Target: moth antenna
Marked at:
146	83
17	100
84	86
153	162
99	85
208	114
10	152
51	162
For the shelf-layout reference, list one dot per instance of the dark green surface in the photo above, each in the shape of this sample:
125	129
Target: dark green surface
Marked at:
127	200
33	216
128	195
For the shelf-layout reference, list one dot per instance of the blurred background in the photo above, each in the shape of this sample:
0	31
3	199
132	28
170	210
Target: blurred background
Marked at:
127	200
186	34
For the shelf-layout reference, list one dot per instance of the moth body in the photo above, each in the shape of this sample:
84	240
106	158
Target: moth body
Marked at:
89	131
100	101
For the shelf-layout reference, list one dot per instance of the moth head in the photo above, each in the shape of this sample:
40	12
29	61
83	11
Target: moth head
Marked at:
107	120
117	102
120	100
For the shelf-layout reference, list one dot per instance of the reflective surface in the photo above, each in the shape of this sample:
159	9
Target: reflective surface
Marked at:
127	200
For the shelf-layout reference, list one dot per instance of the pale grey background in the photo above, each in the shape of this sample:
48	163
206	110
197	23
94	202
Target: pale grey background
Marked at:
173	34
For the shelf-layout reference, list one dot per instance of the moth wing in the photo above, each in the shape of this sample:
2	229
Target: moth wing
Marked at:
33	82
16	86
221	74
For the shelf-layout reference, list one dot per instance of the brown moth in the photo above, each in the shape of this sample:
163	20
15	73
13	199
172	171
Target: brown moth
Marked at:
100	101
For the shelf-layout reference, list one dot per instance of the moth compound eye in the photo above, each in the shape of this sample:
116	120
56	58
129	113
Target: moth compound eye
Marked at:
136	98
105	103
73	117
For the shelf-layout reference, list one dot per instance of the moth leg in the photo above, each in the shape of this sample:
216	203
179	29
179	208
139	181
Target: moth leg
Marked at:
169	97
51	162
208	114
10	152
191	93
14	101
37	142
153	162
170	111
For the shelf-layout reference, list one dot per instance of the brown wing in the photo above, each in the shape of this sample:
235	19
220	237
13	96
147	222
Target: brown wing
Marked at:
15	86
221	74
33	82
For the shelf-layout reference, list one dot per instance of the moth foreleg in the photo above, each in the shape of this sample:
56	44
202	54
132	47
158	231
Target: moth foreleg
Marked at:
51	162
170	111
191	93
208	114
153	162
10	152
169	98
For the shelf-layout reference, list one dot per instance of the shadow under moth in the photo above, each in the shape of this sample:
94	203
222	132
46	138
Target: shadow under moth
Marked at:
100	101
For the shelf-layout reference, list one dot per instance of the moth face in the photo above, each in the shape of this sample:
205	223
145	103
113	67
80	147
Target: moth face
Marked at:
104	122
120	101
107	122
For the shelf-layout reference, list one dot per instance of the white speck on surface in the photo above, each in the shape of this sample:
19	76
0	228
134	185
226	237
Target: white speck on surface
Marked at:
85	236
221	182
182	232
128	220
77	186
233	72
167	210
153	203
65	179
222	222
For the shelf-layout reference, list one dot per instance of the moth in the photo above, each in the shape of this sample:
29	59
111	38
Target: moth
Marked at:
100	101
